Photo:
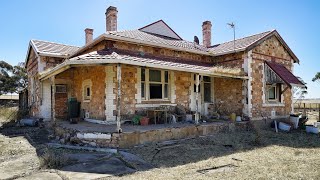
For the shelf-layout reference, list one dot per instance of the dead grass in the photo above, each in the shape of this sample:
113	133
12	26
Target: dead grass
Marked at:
294	155
53	159
8	114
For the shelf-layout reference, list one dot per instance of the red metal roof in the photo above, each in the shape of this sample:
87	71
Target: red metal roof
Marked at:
284	74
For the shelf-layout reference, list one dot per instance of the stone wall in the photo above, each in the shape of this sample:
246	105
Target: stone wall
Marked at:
34	94
129	139
74	78
96	106
128	89
49	62
182	86
230	60
229	92
270	50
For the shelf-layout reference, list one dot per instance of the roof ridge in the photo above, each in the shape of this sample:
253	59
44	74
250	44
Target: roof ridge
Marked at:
244	37
54	43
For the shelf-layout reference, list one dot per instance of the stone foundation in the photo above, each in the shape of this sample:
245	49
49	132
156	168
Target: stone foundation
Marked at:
132	138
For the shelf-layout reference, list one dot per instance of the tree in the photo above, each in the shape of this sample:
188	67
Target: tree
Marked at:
316	77
12	78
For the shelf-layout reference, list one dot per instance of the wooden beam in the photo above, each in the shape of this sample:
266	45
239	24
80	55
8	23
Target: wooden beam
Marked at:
119	99
284	90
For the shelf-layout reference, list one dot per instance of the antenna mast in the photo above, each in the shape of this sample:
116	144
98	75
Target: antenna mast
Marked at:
233	26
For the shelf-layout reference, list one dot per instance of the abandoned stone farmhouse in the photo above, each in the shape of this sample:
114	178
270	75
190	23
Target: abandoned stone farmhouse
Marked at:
120	73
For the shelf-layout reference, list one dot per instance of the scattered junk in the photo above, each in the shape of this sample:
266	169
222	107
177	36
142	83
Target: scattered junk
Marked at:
144	121
312	129
29	122
73	110
294	119
284	127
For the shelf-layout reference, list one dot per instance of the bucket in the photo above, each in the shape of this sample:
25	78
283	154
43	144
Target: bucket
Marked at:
233	116
144	121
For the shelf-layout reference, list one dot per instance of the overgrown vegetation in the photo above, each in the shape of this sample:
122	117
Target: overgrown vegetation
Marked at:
54	159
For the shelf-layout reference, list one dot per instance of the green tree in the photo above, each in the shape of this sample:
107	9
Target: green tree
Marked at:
316	77
12	78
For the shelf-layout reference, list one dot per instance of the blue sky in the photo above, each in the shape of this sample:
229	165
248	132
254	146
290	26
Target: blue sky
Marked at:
64	21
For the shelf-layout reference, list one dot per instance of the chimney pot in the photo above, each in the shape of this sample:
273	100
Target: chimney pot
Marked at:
89	35
206	33
111	18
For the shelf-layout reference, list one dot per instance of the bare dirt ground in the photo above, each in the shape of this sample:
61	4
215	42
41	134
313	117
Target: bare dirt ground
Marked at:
255	154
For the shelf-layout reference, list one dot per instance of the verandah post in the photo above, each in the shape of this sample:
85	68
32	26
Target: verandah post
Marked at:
197	99
119	98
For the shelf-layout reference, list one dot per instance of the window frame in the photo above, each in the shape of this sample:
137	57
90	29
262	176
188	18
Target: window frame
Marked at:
276	96
147	82
63	88
85	85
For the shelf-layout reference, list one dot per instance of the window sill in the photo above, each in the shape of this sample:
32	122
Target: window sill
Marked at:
273	105
86	101
155	104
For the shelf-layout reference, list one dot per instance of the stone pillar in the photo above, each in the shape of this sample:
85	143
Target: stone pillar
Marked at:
89	35
206	33
111	18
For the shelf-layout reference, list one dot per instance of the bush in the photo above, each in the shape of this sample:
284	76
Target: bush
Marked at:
53	159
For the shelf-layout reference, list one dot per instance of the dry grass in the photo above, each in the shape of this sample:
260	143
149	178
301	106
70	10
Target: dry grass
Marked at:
53	159
294	155
227	70
8	114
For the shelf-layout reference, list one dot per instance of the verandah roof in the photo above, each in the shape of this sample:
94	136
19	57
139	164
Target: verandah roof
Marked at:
285	74
107	57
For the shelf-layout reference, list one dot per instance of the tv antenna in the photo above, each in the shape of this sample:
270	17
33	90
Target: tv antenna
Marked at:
233	26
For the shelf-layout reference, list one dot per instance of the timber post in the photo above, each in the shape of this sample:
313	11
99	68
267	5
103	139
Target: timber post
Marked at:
197	99
118	99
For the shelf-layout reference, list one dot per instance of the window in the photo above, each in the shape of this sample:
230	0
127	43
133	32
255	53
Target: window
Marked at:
155	84
87	90
87	93
273	93
143	83
207	88
61	88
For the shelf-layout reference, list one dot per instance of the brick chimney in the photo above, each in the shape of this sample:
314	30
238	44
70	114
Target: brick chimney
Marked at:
89	35
206	33
111	18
